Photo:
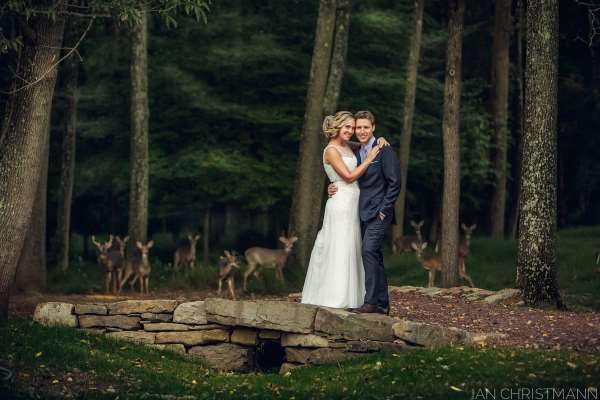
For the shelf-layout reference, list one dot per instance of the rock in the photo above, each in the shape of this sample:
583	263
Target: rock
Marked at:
432	291
225	357
192	338
288	367
205	327
94	331
303	340
269	334
428	335
368	346
165	326
352	326
99	309
276	315
154	317
502	295
401	289
55	314
192	312
248	337
113	321
137	337
173	347
483	338
142	306
316	356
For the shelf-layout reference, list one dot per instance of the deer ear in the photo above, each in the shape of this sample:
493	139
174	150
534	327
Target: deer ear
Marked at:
463	226
421	223
473	226
294	238
227	253
138	244
125	239
197	237
150	243
281	239
423	246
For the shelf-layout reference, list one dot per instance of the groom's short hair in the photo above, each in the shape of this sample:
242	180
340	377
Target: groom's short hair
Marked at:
365	115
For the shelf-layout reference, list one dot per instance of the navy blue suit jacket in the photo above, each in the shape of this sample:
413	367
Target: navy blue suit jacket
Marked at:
379	185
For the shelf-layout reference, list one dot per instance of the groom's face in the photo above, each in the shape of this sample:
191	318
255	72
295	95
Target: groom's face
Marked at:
364	130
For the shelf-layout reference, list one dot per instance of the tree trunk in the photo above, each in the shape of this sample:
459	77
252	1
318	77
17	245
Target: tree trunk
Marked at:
309	159
536	257
70	70
32	266
499	87
23	141
138	190
513	221
407	121
451	144
206	237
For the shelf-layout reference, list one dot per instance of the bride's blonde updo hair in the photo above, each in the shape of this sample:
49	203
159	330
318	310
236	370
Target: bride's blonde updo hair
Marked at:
333	123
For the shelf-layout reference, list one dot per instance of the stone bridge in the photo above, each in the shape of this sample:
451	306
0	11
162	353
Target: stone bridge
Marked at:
253	334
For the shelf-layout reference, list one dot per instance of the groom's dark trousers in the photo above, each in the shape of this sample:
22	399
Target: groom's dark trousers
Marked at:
379	188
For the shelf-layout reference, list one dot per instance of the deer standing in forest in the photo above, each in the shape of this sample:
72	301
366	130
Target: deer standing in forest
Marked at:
111	260
464	249
432	263
268	258
138	267
404	243
227	271
186	254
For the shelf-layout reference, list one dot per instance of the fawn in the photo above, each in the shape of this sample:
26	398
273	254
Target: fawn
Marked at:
269	258
431	263
464	249
186	254
138	267
403	243
227	271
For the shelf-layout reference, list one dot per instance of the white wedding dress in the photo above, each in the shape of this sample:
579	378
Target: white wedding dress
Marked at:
335	276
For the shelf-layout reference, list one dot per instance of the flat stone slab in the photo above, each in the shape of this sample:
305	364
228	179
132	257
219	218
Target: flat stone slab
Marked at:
192	312
99	309
353	326
165	326
245	336
142	306
193	338
429	335
136	336
154	317
276	315
501	295
225	356
173	347
303	340
316	356
113	321
55	314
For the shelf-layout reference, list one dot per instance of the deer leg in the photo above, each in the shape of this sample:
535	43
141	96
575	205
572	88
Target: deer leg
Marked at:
133	281
107	282
230	286
431	282
247	273
220	285
462	271
148	284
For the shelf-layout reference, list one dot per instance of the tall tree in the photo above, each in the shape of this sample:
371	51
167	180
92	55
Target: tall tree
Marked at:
32	266
451	144
408	116
23	139
70	72
139	153
513	220
499	89
536	257
309	161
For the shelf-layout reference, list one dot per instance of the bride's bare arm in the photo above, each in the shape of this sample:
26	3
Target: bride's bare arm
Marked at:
333	157
356	145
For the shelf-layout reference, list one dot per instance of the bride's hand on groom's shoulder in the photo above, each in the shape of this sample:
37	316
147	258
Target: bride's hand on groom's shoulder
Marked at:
381	142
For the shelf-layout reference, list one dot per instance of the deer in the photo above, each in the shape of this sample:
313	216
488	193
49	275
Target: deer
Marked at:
120	246
138	267
268	258
464	249
431	263
111	260
227	270
186	253
403	243
598	261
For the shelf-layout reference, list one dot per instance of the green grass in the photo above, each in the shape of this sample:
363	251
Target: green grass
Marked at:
136	371
492	265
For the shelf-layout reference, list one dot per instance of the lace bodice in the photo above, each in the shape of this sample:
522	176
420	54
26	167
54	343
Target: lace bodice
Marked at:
347	156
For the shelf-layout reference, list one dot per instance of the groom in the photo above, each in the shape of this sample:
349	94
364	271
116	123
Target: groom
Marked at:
379	187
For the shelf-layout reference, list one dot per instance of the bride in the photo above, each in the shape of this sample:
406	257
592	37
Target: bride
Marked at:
335	276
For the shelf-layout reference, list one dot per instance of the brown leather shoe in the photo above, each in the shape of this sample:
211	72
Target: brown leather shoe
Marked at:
383	310
365	309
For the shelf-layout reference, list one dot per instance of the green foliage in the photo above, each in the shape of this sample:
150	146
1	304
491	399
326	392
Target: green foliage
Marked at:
137	371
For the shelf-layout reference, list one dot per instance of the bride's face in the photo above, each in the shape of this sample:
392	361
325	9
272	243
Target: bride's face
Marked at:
347	129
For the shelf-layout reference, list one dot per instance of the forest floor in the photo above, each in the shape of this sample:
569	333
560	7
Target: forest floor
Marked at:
517	325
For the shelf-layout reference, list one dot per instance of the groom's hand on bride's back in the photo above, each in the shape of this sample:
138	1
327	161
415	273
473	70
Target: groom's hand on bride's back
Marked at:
331	190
